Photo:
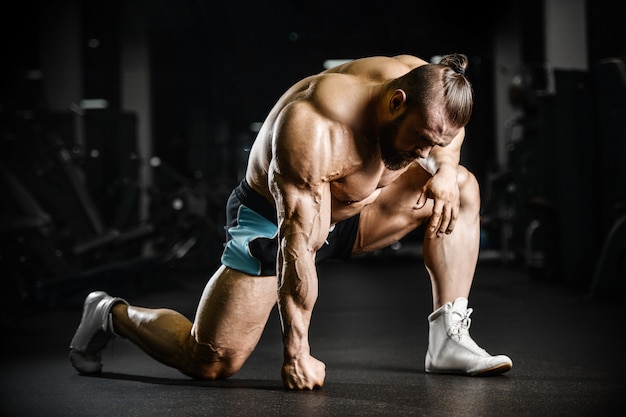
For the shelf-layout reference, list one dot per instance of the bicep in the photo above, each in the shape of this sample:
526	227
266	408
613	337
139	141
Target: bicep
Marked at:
298	177
303	213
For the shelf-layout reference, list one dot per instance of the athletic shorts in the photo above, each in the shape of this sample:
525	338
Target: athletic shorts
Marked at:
251	234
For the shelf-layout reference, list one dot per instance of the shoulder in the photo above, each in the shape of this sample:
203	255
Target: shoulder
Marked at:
303	142
313	138
324	100
307	123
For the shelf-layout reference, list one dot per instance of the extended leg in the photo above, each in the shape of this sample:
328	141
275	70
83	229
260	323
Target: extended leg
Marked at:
230	319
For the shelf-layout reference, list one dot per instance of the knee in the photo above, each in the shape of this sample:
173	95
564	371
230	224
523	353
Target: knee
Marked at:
212	364
216	370
469	189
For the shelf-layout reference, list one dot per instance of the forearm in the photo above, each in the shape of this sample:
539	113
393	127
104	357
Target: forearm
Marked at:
297	297
444	160
434	165
300	235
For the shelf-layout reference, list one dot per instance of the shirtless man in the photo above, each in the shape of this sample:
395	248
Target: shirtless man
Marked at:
348	161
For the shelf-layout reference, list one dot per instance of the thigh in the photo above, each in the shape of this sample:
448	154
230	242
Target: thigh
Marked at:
392	215
233	311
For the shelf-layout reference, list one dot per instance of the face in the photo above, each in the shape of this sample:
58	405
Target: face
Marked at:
411	135
393	158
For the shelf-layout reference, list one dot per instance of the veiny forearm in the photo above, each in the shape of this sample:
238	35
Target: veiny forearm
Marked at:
297	296
303	219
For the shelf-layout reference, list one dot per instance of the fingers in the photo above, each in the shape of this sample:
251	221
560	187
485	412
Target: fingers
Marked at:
453	217
437	219
421	201
444	215
304	374
443	218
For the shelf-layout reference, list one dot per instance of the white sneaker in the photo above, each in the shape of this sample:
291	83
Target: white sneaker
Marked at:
93	333
452	350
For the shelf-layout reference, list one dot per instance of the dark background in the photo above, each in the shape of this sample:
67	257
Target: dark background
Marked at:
71	177
85	205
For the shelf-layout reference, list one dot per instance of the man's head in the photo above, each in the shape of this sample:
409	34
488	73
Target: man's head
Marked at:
425	84
431	104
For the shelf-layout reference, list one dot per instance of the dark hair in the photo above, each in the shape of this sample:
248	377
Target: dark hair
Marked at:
421	84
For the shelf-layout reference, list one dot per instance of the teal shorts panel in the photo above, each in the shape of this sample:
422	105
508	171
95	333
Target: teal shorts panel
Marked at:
252	230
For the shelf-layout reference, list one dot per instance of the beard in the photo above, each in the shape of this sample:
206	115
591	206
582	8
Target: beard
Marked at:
391	157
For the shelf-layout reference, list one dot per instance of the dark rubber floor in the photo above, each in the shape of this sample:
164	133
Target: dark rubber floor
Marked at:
369	327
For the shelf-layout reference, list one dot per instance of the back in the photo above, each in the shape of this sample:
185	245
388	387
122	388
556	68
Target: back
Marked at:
379	68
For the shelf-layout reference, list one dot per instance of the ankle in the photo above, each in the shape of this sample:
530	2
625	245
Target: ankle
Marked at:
119	309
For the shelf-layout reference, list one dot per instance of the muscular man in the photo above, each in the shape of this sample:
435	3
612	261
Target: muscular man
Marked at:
348	161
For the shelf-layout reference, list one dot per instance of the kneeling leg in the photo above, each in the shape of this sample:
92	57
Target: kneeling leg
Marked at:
229	322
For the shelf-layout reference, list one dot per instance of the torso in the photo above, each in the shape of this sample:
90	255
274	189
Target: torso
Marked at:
355	171
354	191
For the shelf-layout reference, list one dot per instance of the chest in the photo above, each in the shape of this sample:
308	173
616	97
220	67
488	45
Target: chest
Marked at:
354	191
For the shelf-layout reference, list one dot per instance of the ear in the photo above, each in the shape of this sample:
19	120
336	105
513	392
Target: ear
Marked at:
397	100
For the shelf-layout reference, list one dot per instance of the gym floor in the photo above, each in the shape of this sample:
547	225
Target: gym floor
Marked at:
369	327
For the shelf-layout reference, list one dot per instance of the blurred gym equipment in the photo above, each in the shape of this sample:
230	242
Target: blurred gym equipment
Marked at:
70	212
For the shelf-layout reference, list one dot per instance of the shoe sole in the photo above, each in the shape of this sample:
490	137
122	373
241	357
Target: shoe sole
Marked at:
84	363
496	370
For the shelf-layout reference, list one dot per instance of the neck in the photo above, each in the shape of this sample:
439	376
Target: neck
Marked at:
376	110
